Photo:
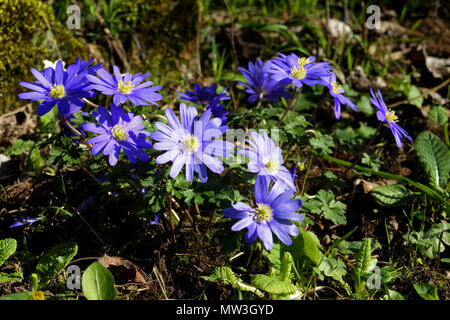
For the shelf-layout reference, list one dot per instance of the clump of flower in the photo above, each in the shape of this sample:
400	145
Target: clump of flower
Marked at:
387	115
272	213
204	95
261	85
298	71
266	160
337	92
190	142
118	131
126	87
59	87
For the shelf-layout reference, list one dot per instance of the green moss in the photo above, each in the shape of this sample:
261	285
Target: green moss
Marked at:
29	33
165	27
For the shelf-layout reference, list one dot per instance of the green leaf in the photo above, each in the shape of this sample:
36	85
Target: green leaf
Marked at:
286	265
7	247
434	155
393	295
323	143
272	285
332	209
17	296
310	246
11	277
364	257
19	147
412	92
365	106
98	283
224	274
426	291
54	262
438	114
393	195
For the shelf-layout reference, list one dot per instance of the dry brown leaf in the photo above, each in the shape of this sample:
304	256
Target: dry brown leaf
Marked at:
124	269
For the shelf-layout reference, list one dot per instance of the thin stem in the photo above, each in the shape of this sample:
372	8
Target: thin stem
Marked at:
425	189
288	107
306	176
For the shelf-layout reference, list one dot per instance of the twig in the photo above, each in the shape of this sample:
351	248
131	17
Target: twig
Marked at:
426	93
288	108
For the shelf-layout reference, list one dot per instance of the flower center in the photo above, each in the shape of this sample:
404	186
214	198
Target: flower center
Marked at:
272	166
125	87
298	72
57	91
337	88
119	133
190	143
263	212
391	117
303	61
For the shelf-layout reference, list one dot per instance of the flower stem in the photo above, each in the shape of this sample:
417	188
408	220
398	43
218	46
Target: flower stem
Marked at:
425	189
289	106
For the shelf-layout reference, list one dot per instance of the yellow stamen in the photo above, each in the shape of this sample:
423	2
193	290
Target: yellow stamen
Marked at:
190	143
263	212
303	61
119	133
272	166
298	72
337	88
125	87
57	91
391	117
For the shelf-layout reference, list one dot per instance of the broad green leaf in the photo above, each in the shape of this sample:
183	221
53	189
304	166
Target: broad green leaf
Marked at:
393	195
434	155
413	92
54	262
17	296
365	106
393	295
98	283
7	247
310	247
272	285
438	114
11	277
304	246
286	265
426	291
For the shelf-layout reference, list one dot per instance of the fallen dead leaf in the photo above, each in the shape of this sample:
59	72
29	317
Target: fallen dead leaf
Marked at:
123	269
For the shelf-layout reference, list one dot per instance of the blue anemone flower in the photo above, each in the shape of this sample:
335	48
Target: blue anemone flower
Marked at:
58	87
261	85
336	91
388	116
271	214
297	70
191	142
218	110
118	131
266	160
126	87
21	220
204	95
